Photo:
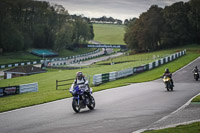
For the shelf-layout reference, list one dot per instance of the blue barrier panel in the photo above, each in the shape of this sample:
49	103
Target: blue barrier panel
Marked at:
1	92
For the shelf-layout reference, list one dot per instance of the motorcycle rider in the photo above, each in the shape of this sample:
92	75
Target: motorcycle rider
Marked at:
80	79
195	70
168	74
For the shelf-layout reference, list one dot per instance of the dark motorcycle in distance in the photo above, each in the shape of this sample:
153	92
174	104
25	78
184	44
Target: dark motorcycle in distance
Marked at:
168	83
196	76
81	99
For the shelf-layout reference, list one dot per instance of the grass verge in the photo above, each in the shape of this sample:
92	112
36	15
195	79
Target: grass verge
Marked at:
196	99
190	128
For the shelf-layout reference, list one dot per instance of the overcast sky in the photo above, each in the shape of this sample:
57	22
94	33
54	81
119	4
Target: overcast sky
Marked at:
120	9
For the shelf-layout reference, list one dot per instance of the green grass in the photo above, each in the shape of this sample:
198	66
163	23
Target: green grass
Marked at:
196	99
143	57
190	128
15	57
47	81
77	51
109	33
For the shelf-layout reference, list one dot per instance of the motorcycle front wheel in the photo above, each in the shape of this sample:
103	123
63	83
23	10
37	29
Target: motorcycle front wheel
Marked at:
75	106
171	88
91	105
167	86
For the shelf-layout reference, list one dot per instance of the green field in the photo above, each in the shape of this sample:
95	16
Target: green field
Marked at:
109	33
47	81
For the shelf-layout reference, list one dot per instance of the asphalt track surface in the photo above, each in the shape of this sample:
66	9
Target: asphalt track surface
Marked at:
118	110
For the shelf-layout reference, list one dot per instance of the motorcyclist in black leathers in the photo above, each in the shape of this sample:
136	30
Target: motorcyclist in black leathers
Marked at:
195	70
167	73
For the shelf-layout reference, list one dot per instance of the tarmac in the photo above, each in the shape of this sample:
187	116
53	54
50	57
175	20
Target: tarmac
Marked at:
186	114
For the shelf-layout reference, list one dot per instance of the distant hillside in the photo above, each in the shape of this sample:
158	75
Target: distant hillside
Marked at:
109	33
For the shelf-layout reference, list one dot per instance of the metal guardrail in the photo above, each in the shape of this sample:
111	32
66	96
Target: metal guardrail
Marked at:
3	66
106	77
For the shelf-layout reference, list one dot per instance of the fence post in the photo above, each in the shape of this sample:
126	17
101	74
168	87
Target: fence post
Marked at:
56	84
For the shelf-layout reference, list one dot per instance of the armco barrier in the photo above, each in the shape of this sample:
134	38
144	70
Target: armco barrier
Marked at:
32	87
105	77
124	73
139	69
41	61
112	76
97	79
102	78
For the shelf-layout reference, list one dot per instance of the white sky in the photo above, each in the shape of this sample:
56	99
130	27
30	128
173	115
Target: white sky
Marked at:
120	9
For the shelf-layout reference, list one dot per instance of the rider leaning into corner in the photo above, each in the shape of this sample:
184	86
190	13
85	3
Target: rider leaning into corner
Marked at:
80	79
168	74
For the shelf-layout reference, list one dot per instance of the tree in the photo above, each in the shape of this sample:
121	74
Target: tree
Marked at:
64	37
11	39
175	25
175	31
82	31
26	24
144	34
194	20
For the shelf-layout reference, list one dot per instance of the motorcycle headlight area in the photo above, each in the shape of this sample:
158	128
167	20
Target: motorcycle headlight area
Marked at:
74	92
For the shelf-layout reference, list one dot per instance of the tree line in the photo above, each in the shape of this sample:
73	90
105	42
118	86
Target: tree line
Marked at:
105	19
28	24
175	25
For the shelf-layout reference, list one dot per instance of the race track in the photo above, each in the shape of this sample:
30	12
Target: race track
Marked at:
118	110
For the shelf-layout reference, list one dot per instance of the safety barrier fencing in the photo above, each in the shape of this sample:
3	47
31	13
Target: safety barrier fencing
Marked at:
50	60
106	77
18	89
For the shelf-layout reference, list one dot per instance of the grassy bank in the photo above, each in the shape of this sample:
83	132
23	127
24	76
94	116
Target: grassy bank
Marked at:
47	81
196	99
109	33
190	128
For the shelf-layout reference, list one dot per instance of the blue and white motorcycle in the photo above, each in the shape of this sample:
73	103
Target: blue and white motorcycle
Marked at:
81	98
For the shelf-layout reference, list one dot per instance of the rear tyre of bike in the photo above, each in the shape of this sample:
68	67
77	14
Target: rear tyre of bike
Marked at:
75	106
91	105
196	77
